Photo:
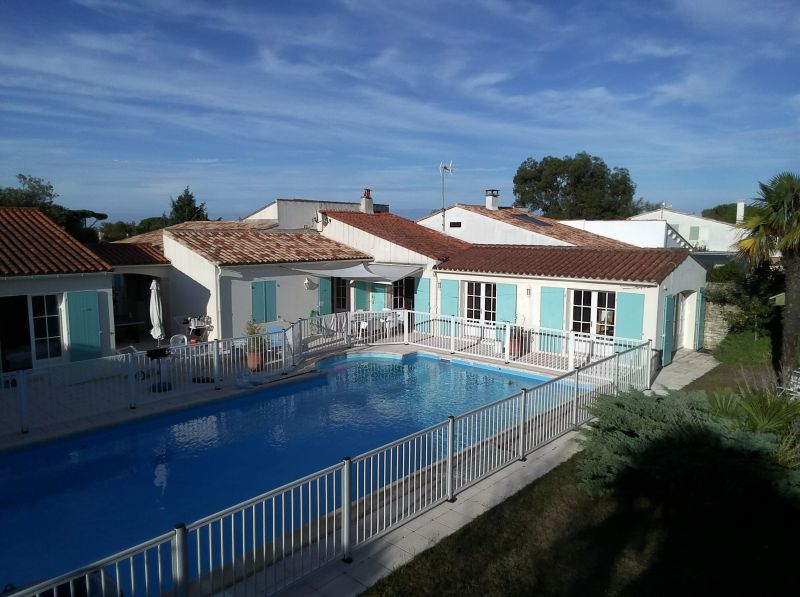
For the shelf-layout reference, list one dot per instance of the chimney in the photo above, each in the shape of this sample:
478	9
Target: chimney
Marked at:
492	199
739	212
366	202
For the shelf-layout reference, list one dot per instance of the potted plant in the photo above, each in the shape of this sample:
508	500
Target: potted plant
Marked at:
256	345
517	342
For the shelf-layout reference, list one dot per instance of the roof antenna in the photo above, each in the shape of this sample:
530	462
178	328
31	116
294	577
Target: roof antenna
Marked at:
445	169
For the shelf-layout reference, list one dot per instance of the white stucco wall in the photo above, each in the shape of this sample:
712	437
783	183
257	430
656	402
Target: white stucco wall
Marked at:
295	215
642	233
60	284
713	235
192	287
687	278
293	300
483	230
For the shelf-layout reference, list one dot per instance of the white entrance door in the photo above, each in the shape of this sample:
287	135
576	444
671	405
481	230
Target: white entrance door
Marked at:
680	317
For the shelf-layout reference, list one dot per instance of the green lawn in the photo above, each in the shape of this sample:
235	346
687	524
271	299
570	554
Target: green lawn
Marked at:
551	538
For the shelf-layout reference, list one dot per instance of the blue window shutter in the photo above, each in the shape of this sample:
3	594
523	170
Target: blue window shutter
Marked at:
378	297
271	300
361	296
258	303
325	296
700	319
551	310
630	316
422	295
83	315
449	294
551	316
667	330
507	302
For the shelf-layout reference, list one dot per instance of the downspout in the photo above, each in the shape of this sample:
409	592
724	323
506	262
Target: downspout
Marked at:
218	327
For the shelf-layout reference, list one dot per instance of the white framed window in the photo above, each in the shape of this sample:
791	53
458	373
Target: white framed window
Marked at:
341	292
594	312
46	326
481	304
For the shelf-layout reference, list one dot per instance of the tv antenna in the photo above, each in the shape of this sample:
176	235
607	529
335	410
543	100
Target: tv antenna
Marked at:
445	169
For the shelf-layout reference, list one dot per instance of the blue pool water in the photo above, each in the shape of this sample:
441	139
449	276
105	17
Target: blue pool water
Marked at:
67	503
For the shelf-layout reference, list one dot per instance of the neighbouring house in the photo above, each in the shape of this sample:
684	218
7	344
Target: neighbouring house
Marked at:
714	242
602	293
234	272
135	267
652	234
55	294
404	250
297	214
492	224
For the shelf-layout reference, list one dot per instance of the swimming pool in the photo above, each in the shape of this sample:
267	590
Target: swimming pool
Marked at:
70	502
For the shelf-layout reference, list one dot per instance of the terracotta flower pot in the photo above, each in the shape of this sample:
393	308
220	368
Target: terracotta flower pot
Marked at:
255	361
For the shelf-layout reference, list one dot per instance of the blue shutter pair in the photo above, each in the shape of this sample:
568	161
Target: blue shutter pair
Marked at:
264	303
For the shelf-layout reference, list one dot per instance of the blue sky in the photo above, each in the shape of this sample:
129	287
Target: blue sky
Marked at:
122	103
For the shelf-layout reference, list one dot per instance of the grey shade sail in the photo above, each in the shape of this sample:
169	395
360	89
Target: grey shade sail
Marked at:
377	273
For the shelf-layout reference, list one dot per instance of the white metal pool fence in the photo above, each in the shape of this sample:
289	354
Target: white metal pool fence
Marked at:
72	391
269	542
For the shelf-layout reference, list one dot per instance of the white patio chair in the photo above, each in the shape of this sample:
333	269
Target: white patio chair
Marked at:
792	389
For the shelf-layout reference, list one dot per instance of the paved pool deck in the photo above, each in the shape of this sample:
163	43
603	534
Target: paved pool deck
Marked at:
90	411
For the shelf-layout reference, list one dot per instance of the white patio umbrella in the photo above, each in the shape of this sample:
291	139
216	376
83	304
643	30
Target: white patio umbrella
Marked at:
156	318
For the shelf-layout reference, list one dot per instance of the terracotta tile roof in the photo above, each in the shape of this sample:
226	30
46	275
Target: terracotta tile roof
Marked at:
402	232
252	247
632	265
32	244
154	238
129	253
522	218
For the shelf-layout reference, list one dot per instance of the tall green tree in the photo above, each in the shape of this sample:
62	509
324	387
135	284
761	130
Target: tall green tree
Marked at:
185	209
774	227
573	187
726	212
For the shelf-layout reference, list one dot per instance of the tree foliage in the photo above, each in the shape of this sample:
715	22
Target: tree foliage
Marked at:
35	192
574	187
773	228
186	209
726	212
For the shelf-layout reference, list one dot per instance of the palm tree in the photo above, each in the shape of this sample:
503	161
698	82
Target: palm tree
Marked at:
776	227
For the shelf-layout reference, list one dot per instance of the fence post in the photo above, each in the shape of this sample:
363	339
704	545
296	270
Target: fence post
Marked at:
649	380
507	344
131	382
346	510
451	444
180	561
575	399
452	334
616	373
283	355
22	386
406	324
523	415
570	349
215	354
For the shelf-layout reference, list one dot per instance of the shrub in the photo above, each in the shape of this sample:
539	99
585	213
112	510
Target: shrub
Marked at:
673	444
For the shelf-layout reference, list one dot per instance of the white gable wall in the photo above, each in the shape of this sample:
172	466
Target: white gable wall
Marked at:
484	230
192	287
642	233
711	234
